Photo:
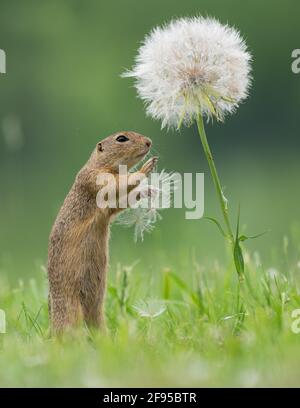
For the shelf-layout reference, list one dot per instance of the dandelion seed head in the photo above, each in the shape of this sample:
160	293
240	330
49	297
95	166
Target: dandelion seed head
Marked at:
192	66
156	194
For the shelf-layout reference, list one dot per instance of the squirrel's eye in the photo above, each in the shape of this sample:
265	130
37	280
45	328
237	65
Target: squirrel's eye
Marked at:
122	138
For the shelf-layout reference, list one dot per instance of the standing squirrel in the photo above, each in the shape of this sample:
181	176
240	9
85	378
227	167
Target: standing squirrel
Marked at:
78	244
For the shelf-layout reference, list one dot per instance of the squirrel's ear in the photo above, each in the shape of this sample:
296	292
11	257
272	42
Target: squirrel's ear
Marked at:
99	147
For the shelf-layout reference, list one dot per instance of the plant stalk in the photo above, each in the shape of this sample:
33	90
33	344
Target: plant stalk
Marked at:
216	179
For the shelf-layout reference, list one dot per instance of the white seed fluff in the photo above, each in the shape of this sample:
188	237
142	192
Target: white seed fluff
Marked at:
156	194
189	67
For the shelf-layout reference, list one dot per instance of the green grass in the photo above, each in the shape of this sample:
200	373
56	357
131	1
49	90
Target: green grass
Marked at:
68	94
205	330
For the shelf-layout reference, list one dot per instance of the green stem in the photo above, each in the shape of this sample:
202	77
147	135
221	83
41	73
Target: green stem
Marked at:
214	173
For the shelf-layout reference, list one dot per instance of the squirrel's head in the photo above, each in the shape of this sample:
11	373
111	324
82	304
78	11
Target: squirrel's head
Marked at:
121	148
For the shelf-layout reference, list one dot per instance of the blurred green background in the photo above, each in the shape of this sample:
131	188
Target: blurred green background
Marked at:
62	93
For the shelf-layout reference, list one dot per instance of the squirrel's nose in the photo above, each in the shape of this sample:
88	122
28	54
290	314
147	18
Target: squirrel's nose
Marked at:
148	142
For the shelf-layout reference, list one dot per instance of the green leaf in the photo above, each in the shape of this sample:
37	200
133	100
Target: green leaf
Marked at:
166	284
113	291
217	223
184	287
179	282
238	224
238	258
237	252
245	237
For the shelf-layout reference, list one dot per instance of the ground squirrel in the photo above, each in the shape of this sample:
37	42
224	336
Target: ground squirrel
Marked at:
78	244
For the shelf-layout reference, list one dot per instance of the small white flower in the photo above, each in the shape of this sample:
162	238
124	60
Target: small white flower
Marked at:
141	219
249	378
150	308
189	67
154	197
272	273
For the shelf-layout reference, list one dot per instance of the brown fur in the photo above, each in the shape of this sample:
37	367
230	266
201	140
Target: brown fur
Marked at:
78	244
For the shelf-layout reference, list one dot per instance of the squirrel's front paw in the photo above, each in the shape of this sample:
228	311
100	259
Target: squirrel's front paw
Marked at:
149	165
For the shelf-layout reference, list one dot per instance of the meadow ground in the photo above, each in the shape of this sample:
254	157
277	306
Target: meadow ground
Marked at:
177	315
205	331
